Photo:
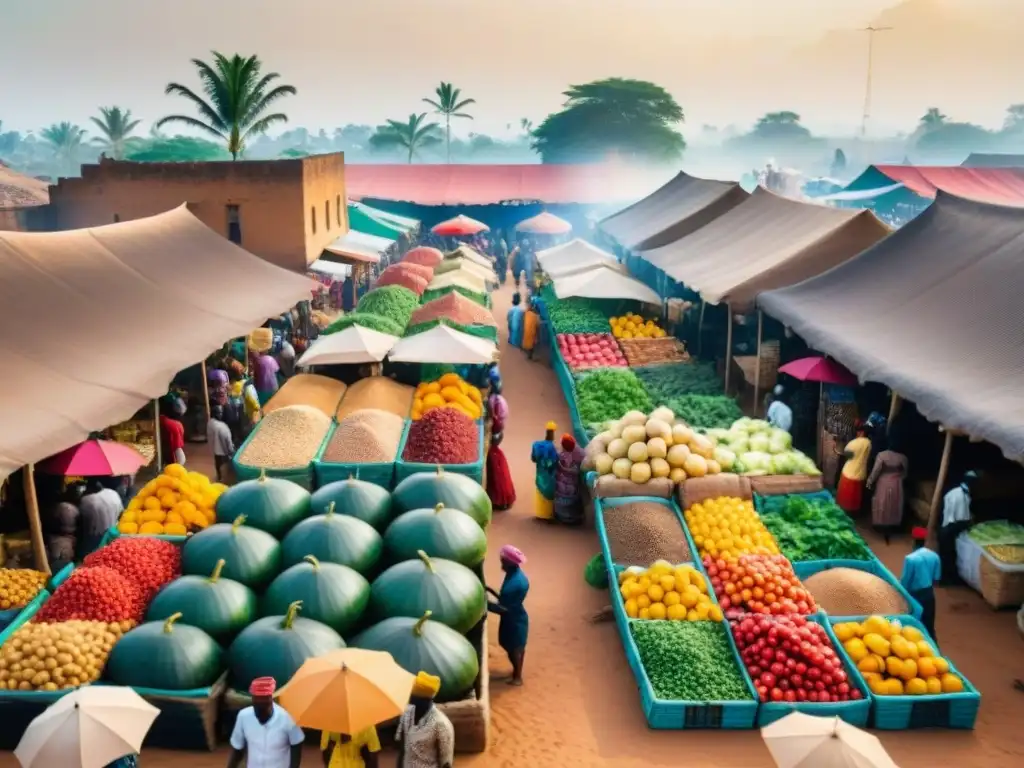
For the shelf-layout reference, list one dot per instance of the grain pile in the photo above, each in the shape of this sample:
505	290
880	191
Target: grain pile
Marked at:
320	392
420	270
455	307
365	437
287	438
428	257
377	392
851	592
403	277
642	532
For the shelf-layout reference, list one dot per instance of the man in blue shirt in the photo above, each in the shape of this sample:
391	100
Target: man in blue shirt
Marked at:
922	568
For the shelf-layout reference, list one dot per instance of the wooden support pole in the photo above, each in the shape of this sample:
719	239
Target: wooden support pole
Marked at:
728	349
757	363
35	524
935	512
894	408
158	441
206	391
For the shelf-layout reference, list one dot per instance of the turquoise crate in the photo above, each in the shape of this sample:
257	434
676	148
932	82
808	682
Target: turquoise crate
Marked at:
379	473
302	476
854	712
945	710
404	469
60	577
807	569
759	504
11	619
113	533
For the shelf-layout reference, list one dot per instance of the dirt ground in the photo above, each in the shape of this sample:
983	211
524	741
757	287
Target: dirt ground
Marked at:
579	705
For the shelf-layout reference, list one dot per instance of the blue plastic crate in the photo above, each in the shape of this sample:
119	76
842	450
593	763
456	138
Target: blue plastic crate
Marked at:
807	569
854	712
404	469
941	710
379	473
113	533
60	577
11	619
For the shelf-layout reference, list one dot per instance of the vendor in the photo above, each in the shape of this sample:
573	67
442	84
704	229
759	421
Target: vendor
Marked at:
779	414
956	518
921	570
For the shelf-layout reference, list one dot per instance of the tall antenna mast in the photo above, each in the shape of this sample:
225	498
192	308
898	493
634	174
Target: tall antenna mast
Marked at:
871	31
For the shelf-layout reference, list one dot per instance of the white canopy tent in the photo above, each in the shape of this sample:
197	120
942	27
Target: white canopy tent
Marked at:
604	283
359	247
330	268
442	344
355	344
573	255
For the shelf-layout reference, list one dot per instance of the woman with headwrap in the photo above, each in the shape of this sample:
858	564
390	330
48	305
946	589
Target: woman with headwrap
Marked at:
568	504
425	735
850	493
515	321
514	626
531	324
500	488
497	407
544	454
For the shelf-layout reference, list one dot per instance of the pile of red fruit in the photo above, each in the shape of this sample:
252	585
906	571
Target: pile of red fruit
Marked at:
591	350
97	593
146	562
791	659
763	584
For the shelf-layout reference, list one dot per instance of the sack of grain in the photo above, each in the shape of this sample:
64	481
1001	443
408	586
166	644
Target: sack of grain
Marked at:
852	592
783	485
320	392
610	487
377	392
697	489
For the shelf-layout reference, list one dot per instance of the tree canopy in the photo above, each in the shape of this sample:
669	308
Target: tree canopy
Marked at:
116	126
177	149
411	136
632	119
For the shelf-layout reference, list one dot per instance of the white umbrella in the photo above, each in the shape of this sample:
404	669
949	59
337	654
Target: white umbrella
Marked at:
355	344
604	283
805	741
442	344
88	728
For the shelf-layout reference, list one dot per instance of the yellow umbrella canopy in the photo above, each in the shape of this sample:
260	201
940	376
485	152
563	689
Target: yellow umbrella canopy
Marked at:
347	690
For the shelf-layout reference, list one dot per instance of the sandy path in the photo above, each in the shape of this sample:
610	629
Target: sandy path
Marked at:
579	705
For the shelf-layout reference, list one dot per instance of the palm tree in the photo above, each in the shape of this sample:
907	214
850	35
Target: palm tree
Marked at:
447	103
526	125
64	139
116	125
238	97
414	135
933	118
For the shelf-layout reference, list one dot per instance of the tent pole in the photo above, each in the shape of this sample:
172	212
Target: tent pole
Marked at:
35	525
894	408
700	329
206	391
757	363
940	482
728	349
157	442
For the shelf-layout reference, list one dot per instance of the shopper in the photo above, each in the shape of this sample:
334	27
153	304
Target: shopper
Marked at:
425	735
544	455
515	321
850	493
922	568
514	625
100	509
265	736
218	435
886	480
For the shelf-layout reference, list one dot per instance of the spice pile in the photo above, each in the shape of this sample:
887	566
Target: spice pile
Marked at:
321	392
394	302
365	437
428	257
443	436
396	276
689	661
449	391
642	532
658	351
376	392
455	307
850	592
606	394
287	438
94	593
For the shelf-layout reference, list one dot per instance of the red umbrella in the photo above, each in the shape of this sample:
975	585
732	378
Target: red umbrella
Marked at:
95	458
819	369
460	226
545	224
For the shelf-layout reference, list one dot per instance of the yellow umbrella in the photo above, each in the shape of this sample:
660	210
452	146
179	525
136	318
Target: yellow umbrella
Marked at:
805	741
346	691
88	728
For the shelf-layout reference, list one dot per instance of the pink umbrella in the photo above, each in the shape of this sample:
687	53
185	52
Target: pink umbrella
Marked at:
460	226
545	224
819	369
95	458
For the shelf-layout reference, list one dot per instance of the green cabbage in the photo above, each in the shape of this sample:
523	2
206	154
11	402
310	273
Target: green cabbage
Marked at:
759	442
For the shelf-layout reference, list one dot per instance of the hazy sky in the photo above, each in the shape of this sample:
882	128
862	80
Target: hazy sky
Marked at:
726	61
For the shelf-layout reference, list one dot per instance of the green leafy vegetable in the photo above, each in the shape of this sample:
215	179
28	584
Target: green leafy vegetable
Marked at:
607	393
998	532
595	573
574	315
436	293
482	331
666	382
812	527
366	320
689	661
391	301
704	411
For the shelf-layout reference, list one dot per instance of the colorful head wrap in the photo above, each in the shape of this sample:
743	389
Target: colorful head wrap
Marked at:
568	442
919	534
550	426
426	686
263	686
512	554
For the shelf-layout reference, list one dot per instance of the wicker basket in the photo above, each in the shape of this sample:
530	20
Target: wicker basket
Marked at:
1000	588
783	485
697	489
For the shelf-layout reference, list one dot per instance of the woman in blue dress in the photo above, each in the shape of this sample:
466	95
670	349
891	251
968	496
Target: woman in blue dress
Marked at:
515	321
514	625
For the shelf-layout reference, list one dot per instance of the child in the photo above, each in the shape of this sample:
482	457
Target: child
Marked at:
499	479
218	435
922	568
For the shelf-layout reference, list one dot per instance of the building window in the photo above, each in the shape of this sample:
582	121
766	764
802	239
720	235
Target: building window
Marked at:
117	217
337	209
234	225
312	210
327	213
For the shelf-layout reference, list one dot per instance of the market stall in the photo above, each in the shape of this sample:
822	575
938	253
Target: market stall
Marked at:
603	283
575	256
354	344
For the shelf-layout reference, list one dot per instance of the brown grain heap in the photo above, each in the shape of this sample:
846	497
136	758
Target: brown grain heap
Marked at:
455	307
365	437
641	532
377	392
320	392
852	592
287	438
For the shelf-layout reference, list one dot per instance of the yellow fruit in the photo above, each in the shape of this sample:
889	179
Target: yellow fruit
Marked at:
878	686
126	526
894	666
644	582
130	516
643	602
671	598
175	529
151	528
152	516
879	661
689	596
926	667
173	518
901	647
941	665
715	613
152	503
175	470
856	649
703	609
681	582
691	615
934	685
895	686
878	625
676	612
656	593
657	611
843	631
645	613
667	582
869	664
632	609
876	644
913	634
909	671
952	684
916	687
924	649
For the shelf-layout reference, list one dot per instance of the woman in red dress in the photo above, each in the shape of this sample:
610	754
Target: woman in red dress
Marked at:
499	479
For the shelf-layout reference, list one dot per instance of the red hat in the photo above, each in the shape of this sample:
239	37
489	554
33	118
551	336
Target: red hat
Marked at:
263	686
919	534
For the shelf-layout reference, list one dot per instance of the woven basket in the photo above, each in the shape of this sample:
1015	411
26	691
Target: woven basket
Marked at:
1001	589
697	489
783	485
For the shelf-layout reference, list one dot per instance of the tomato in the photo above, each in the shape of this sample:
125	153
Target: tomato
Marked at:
776	694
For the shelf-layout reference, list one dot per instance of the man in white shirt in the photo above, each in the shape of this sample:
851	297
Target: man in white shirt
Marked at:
780	415
218	435
99	511
956	518
265	736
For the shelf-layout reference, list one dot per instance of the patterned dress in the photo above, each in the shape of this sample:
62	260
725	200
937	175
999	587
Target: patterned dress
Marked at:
568	502
887	480
430	743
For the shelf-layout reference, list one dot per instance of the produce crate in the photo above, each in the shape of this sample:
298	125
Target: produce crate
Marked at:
941	710
299	475
780	485
113	533
807	569
9	618
379	473
60	577
854	712
404	469
565	381
761	502
187	719
471	716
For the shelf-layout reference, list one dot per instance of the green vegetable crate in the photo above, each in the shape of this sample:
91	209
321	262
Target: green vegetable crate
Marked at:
299	475
404	469
379	473
833	537
940	710
854	712
805	570
662	714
